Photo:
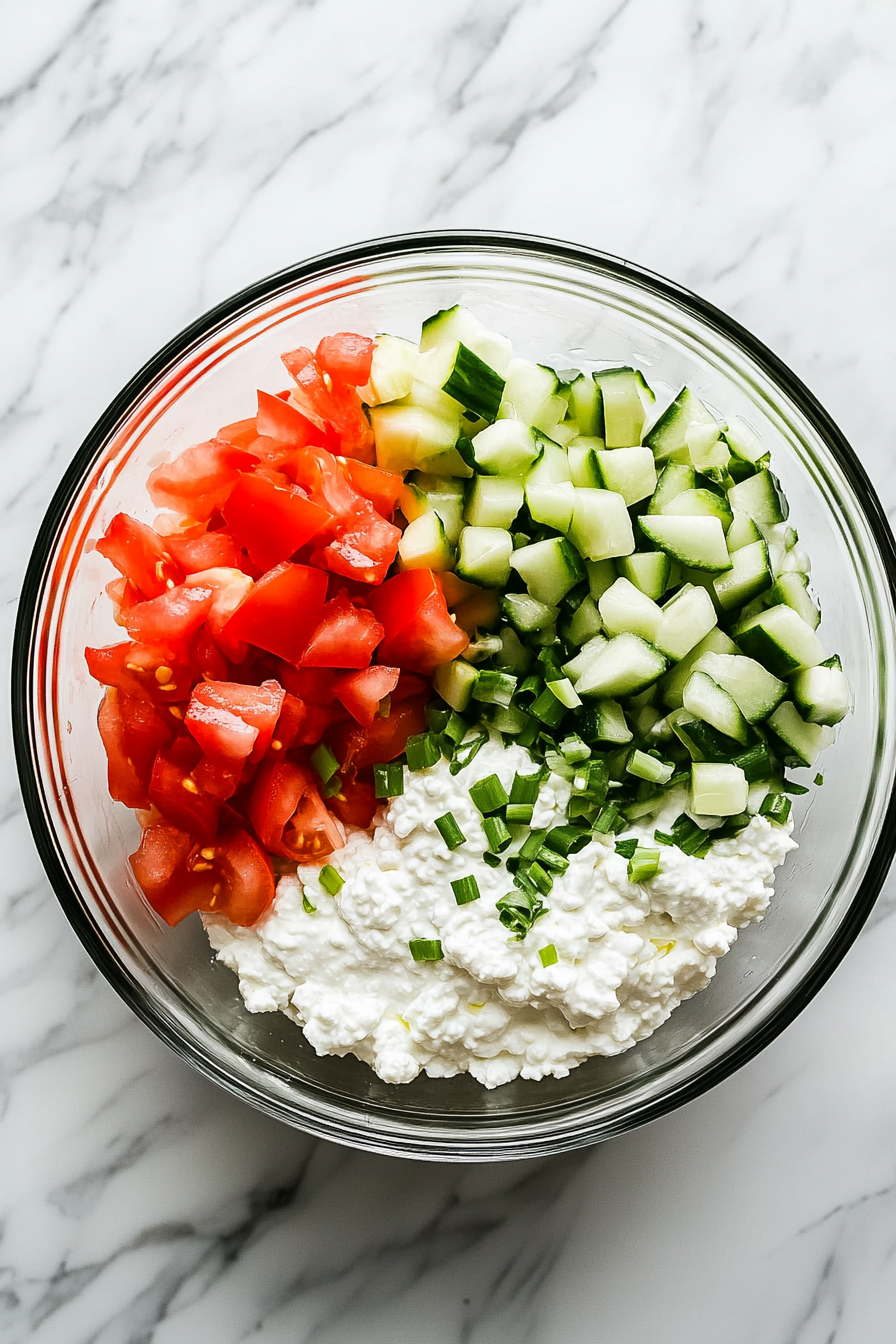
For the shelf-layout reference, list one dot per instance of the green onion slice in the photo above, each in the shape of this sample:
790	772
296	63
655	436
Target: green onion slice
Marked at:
324	762
331	881
489	794
643	865
426	949
388	780
449	830
422	751
465	889
496	833
548	955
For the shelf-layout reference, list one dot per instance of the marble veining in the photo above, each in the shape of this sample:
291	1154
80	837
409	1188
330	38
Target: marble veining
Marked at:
154	159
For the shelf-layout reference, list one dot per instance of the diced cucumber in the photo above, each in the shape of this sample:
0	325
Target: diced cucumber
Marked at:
410	436
742	532
628	471
484	556
514	656
624	394
552	504
562	434
454	682
753	689
493	501
671	687
674	480
706	700
552	465
687	618
647	570
459	324
761	497
718	790
582	458
668	434
601	575
623	666
527	389
700	504
703	742
423	544
548	568
744	442
526	614
706	450
585	405
624	607
550	415
392	370
426	389
604	721
781	640
584	658
822	694
506	448
749	575
793	590
803	740
444	495
695	541
584	623
601	527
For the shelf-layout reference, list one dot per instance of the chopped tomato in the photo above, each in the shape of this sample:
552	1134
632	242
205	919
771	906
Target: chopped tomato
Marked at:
176	614
326	479
337	406
212	550
158	672
365	546
346	636
278	420
210	661
361	692
456	590
356	801
288	813
241	433
272	521
233	877
141	555
356	747
282	610
420	634
179	798
346	357
218	777
233	721
133	731
382	488
292	716
199	481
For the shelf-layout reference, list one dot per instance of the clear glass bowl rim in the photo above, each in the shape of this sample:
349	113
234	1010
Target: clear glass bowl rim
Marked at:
371	251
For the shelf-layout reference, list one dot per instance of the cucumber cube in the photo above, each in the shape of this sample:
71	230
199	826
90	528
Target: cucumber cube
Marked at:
647	570
744	442
392	370
625	608
493	501
455	682
718	790
601	576
761	497
583	469
700	504
623	666
698	542
781	640
803	740
822	694
628	471
410	436
674	480
753	689
423	545
672	685
548	568
601	527
750	574
551	504
484	556
585	622
706	700
742	532
506	448
624	393
687	618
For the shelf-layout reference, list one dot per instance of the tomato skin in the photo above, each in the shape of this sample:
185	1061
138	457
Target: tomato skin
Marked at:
288	814
361	692
272	521
177	877
222	735
356	747
157	672
240	434
337	407
282	610
141	555
234	722
345	637
346	357
276	419
364	547
132	731
292	716
199	481
420	634
356	802
175	614
382	488
179	798
213	550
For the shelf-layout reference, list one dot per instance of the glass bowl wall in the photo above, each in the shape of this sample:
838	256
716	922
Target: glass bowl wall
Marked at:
559	304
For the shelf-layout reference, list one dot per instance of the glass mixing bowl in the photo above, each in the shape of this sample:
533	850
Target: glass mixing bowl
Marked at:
560	304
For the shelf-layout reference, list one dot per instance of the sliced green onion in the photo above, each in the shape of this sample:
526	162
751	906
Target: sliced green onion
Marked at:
324	762
437	716
496	833
645	766
581	809
509	721
548	709
819	779
524	788
626	848
607	819
449	830
529	734
307	906
565	692
591	780
529	689
519	814
489	794
422	751
466	889
388	780
548	955
566	840
574	749
548	859
541	878
663	838
518	911
331	881
643	864
531	845
332	787
465	753
493	860
456	728
426	949
775	806
494	688
755	763
791	786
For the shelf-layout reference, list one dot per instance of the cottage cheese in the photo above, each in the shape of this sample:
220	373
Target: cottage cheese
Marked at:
627	954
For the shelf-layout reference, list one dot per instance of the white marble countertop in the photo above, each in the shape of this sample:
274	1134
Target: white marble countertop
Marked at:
155	158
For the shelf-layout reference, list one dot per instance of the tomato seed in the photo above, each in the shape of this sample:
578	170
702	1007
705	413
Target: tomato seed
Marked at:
208	853
163	674
189	786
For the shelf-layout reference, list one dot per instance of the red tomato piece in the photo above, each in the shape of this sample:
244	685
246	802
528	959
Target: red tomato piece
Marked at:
199	481
233	877
154	672
356	747
337	406
326	480
176	614
397	601
278	420
141	555
364	548
356	802
282	611
292	716
218	777
222	735
288	813
314	726
241	433
346	636
211	664
382	488
232	721
180	799
272	521
213	550
361	692
420	634
133	731
346	357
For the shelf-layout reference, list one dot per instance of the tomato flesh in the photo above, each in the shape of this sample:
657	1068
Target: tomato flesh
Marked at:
272	521
233	877
232	721
199	481
345	637
175	614
346	357
382	488
141	555
288	814
361	692
420	633
282	611
180	799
